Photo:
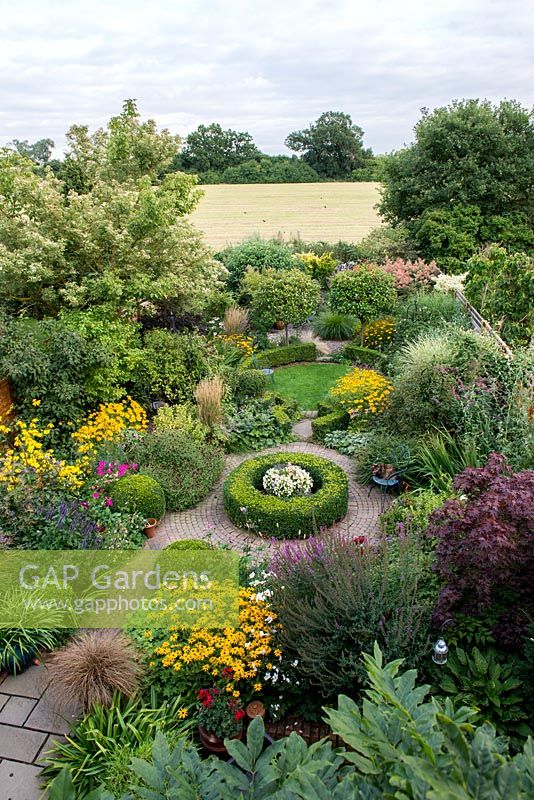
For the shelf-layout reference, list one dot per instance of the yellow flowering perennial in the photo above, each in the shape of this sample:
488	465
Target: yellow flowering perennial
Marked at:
362	392
379	333
243	343
108	423
27	454
232	654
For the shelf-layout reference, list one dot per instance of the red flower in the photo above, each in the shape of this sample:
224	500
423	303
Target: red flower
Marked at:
239	715
227	672
360	540
205	697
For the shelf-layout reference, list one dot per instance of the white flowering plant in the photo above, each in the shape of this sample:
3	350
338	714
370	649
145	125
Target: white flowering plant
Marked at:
287	480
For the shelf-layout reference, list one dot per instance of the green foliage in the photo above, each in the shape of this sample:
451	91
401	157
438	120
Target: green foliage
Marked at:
289	296
187	470
378	449
286	518
469	153
334	326
247	383
440	457
210	148
256	425
48	362
117	339
366	293
409	513
363	356
398	742
181	417
321	267
259	254
171	366
20	645
268	169
332	145
383	244
489	684
346	442
427	312
138	494
189	544
325	424
279	356
109	231
100	747
501	287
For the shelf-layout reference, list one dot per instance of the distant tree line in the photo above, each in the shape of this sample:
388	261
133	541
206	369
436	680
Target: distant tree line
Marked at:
331	148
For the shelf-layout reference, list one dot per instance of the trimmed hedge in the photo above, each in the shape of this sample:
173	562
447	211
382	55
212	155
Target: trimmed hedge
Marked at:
189	544
289	354
138	493
334	421
286	518
363	356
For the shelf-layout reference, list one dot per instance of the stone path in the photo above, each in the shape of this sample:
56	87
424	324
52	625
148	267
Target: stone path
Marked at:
30	724
208	519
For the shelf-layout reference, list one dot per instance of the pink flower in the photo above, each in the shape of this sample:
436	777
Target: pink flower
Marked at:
84	504
108	501
96	495
134	466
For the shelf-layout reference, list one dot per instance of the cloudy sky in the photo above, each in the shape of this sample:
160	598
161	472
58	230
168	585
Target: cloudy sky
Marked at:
266	67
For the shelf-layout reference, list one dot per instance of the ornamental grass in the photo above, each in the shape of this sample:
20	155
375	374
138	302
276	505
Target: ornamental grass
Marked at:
235	320
209	395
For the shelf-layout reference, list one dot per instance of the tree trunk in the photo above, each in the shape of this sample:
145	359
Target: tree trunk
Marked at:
287	334
362	332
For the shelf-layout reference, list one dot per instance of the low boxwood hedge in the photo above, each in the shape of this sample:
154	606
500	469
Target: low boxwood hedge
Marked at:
138	493
286	518
363	356
289	354
335	421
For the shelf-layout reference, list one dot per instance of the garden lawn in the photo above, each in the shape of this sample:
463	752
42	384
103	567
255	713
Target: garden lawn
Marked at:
308	383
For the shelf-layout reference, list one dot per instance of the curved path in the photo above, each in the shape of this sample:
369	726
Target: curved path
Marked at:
208	518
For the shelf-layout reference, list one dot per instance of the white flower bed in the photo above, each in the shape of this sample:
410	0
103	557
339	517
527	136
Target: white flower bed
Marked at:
287	481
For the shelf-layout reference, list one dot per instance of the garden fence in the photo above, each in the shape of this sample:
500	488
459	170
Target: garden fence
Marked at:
479	323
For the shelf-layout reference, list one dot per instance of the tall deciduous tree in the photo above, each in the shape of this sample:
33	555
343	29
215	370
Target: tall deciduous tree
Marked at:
118	234
212	148
39	152
469	153
332	145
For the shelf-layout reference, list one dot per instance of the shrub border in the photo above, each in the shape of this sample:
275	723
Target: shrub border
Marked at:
290	518
286	354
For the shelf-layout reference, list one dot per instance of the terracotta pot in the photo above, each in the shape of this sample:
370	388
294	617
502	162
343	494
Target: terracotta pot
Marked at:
255	709
150	527
212	742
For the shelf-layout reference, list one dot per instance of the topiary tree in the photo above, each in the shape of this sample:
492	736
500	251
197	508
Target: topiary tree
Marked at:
366	293
288	296
139	493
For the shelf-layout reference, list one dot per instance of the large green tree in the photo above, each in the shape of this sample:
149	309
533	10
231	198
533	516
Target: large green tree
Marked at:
40	151
210	148
119	235
332	145
470	158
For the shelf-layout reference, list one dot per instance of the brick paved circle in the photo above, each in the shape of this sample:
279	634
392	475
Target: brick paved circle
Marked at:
208	518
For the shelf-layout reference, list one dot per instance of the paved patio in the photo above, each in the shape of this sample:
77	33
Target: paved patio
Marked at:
30	724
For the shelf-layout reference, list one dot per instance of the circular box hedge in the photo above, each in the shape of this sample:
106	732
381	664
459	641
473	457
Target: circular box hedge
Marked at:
249	507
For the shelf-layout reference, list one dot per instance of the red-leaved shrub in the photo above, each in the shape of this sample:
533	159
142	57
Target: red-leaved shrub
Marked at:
485	549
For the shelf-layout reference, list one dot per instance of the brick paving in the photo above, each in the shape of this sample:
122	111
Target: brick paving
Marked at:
208	518
30	724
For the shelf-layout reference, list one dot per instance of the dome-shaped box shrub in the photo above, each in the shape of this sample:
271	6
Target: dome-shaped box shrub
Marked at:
248	506
138	493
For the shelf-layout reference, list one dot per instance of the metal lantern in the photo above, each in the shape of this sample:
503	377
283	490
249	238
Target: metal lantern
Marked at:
440	652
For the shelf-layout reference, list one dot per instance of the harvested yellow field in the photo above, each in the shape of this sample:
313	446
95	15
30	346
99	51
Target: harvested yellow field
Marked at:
229	213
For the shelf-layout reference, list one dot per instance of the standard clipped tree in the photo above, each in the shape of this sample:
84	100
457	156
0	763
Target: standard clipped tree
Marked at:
332	145
365	293
288	296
